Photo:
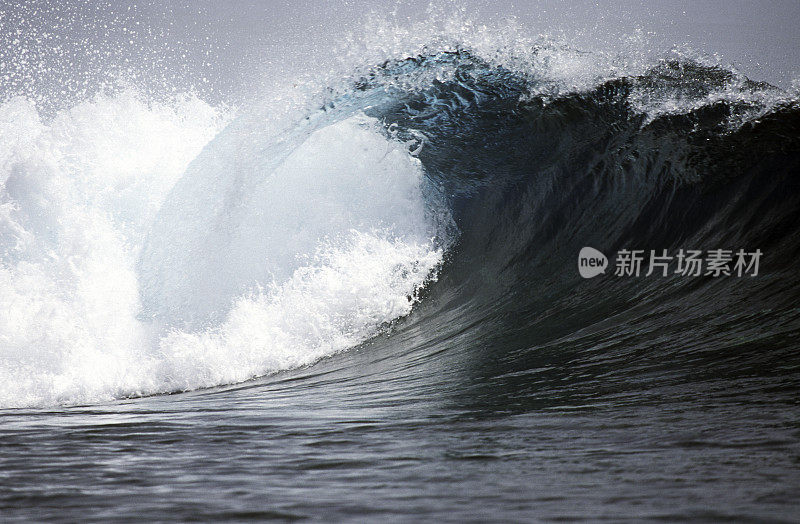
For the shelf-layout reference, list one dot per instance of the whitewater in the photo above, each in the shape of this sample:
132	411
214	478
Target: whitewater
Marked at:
104	292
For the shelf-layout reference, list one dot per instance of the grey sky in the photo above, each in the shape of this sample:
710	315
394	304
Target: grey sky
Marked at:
246	41
761	38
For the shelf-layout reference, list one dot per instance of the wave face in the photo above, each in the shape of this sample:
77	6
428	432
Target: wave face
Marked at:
682	156
443	199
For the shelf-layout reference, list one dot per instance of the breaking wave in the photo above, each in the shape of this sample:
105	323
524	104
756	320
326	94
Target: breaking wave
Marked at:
154	247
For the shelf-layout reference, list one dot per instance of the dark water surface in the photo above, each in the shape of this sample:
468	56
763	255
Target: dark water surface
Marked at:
326	444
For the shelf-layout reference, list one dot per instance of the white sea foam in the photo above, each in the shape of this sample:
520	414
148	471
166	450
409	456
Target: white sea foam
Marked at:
323	248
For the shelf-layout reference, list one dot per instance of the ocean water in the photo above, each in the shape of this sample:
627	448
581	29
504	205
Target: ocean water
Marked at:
358	297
